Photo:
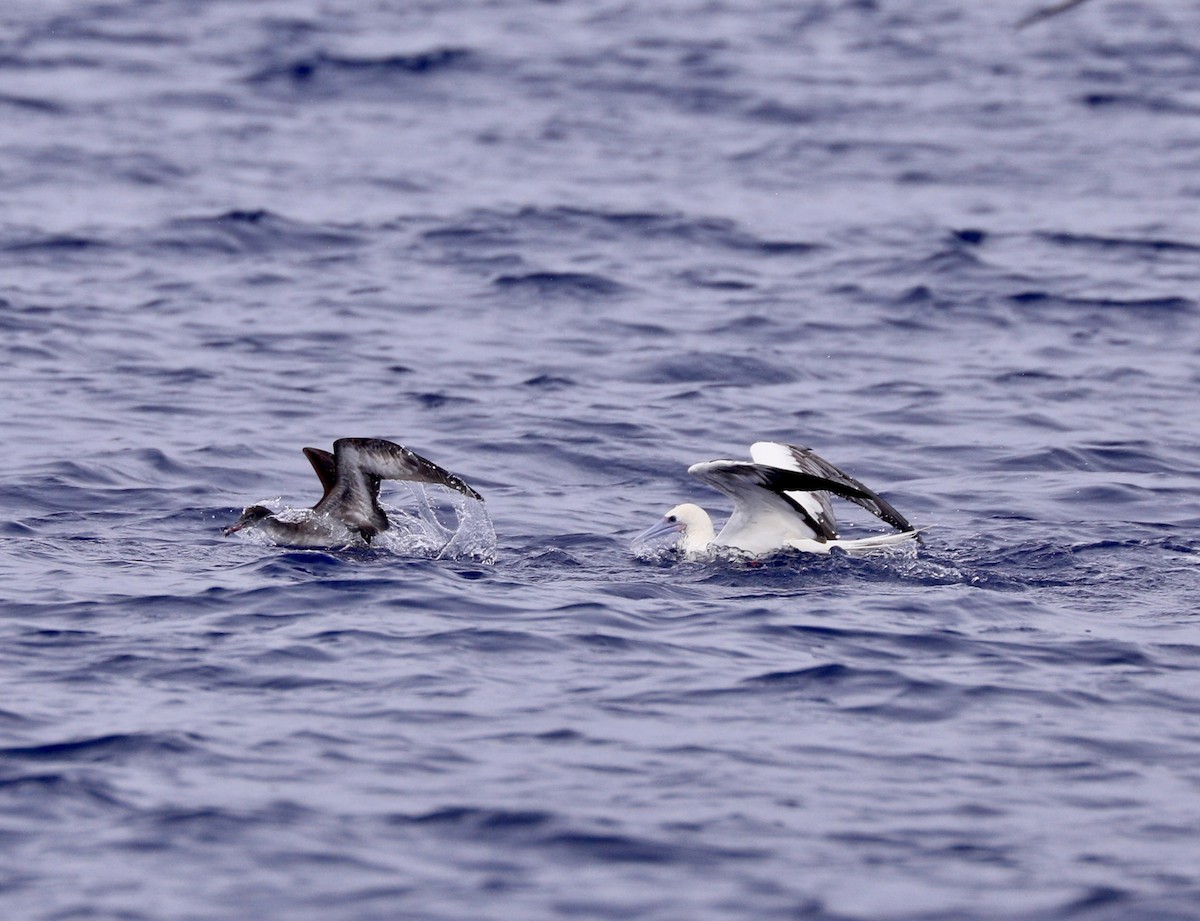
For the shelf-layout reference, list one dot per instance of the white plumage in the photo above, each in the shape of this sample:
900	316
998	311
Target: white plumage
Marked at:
781	500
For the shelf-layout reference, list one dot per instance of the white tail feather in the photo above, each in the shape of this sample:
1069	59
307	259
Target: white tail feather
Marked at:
858	544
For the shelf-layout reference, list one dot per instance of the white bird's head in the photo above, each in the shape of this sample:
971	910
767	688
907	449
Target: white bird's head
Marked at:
690	524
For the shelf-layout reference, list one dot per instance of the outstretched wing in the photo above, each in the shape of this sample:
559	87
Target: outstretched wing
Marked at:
765	508
815	503
804	460
390	461
360	464
325	467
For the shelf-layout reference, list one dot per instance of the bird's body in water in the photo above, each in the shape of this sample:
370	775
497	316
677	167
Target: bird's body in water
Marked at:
349	512
781	501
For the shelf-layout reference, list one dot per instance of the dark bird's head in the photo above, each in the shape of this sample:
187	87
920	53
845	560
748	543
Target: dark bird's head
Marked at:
252	515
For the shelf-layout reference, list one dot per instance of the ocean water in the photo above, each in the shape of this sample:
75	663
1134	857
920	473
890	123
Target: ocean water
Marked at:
566	250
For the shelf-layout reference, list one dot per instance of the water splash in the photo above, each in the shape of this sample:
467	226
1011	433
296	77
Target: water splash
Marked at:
447	525
443	525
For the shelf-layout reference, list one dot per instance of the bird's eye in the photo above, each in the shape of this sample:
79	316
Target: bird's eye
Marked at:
671	518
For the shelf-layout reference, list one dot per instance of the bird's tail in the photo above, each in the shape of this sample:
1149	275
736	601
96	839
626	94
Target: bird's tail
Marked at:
858	545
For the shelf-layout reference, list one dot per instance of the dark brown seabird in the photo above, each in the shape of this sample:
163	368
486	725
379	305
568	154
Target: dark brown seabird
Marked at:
349	511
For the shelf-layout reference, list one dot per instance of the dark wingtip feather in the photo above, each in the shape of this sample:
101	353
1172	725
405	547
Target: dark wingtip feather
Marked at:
325	466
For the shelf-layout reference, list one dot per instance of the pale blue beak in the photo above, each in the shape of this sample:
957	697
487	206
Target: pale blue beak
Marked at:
661	529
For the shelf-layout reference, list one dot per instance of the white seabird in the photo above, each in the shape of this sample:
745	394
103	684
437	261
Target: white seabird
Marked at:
349	511
780	501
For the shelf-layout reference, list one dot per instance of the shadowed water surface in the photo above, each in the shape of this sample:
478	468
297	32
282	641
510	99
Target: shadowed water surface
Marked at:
566	250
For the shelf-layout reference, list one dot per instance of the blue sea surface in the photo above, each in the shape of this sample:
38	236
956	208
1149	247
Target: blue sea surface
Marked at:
567	250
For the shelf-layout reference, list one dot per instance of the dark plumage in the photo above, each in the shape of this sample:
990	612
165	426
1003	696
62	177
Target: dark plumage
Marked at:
349	509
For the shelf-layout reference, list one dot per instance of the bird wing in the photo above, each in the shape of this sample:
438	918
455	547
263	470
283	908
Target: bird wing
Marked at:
390	461
325	466
816	503
804	460
360	465
764	511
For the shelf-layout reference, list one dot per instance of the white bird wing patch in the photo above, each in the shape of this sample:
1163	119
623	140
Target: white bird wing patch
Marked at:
764	509
804	460
785	457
